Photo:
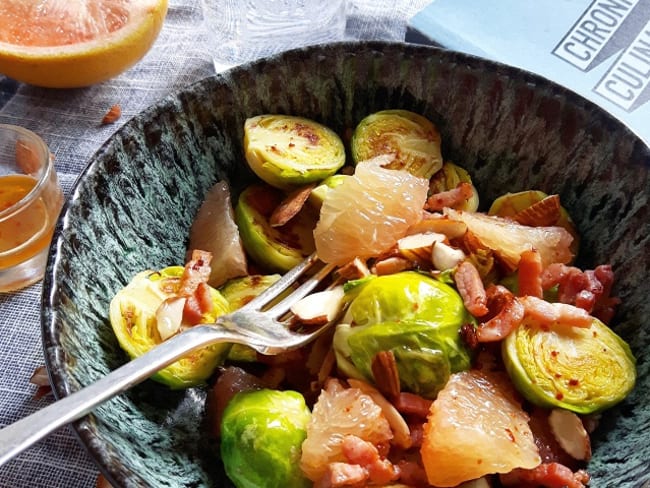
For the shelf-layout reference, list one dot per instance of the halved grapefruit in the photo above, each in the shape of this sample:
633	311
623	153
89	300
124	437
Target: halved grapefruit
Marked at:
75	43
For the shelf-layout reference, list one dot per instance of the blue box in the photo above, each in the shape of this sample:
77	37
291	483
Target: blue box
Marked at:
597	48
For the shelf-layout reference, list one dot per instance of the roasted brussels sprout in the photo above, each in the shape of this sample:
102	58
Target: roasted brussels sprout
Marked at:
275	248
448	178
286	151
415	317
584	370
133	318
412	139
238	292
261	435
319	193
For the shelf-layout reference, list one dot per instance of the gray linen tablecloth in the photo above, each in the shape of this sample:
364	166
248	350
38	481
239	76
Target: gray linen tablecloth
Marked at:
69	122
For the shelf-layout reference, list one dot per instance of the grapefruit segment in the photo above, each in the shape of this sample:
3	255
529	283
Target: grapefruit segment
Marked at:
368	212
476	427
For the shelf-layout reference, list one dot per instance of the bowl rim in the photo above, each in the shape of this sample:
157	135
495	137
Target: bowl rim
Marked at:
52	348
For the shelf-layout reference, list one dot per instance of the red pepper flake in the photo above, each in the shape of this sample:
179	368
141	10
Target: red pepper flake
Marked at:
574	382
554	353
559	396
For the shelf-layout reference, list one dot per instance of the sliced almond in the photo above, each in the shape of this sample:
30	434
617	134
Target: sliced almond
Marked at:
570	433
354	270
386	374
169	317
417	247
320	307
401	431
541	214
439	224
290	206
446	257
392	265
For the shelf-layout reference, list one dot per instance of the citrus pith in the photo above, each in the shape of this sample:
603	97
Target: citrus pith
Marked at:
75	43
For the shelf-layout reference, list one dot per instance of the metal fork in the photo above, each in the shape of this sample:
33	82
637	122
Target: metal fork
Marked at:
250	325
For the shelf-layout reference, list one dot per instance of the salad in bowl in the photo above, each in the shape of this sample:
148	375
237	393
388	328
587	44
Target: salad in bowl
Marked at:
469	349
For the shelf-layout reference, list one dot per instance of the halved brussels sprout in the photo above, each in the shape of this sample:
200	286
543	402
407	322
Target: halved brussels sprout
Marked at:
512	204
238	292
288	151
319	193
261	436
414	316
412	139
584	370
133	318
275	248
448	178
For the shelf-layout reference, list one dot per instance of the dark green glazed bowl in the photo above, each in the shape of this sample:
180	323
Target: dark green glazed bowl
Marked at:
133	207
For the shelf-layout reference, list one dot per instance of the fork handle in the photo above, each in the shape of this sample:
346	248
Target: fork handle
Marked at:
20	435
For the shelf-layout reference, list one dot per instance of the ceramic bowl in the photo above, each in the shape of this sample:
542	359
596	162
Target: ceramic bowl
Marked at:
133	206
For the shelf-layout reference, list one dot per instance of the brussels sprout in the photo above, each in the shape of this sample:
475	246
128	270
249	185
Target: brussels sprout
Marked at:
412	139
286	151
275	248
133	318
512	204
319	193
238	292
261	436
414	316
583	370
448	178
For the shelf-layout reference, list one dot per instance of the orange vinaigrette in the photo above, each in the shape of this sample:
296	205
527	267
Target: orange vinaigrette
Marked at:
25	234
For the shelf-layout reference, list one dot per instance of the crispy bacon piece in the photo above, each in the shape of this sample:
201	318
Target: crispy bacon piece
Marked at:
412	474
194	286
589	290
450	198
364	453
471	289
547	475
342	474
505	311
553	314
412	404
529	275
197	270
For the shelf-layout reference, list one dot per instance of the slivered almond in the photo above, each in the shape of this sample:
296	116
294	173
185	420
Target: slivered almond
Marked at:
384	370
401	431
290	206
540	214
570	433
